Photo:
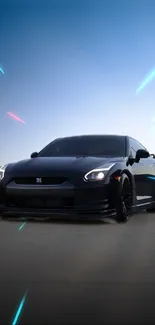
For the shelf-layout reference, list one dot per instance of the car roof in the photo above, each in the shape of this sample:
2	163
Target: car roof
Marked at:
93	135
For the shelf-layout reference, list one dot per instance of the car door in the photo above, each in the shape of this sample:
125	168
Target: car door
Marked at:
143	173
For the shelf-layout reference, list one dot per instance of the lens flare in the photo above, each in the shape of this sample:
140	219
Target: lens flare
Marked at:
15	117
146	81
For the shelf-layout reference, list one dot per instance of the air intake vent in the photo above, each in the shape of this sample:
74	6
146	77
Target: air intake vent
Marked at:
41	203
44	180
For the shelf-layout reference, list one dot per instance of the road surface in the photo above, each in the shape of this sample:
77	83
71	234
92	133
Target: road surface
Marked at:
78	273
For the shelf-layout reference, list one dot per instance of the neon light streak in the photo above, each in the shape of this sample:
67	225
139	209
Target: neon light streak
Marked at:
146	81
22	226
1	70
15	117
19	310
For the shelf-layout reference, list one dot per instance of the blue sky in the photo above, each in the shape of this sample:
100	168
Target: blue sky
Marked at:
73	67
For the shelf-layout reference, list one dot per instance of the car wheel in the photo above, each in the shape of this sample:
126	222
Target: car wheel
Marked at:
124	199
1	195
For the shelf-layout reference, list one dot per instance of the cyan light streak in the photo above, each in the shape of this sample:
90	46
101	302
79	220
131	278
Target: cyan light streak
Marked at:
146	81
19	310
1	70
21	227
152	177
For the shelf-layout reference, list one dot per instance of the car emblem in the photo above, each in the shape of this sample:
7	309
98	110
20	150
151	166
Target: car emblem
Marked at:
38	180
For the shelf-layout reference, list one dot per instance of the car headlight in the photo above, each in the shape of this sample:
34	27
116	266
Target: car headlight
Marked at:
5	169
2	175
98	174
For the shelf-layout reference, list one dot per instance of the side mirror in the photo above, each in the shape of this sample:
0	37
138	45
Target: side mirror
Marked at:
34	154
141	154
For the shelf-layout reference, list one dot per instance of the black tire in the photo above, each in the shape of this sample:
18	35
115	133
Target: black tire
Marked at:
1	195
124	199
150	210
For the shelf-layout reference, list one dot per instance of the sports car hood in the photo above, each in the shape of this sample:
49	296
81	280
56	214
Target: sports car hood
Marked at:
44	167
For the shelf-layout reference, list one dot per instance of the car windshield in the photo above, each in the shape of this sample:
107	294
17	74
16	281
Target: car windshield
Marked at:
85	146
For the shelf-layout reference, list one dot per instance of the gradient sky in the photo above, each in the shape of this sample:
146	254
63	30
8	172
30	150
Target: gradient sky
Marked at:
73	67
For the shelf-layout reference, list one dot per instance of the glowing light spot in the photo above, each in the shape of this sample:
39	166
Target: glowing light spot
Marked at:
117	178
100	175
22	226
19	310
15	117
146	81
1	70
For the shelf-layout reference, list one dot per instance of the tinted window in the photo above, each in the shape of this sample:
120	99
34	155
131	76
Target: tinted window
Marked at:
86	145
132	152
134	146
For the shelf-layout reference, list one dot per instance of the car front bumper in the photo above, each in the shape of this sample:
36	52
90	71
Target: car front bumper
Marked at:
55	214
63	200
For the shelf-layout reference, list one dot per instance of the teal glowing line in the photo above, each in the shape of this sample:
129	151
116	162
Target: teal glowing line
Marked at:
19	310
21	227
147	80
152	177
1	70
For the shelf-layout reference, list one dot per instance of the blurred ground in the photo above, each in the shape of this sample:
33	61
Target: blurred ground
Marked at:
78	273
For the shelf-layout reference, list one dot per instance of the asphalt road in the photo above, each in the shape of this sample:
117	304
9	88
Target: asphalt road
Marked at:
78	273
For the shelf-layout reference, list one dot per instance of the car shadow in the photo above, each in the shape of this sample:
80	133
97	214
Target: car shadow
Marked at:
71	221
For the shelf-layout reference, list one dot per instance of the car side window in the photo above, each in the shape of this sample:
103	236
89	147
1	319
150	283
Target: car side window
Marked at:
134	146
132	153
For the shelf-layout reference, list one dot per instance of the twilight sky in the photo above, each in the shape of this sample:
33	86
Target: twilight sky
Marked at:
73	67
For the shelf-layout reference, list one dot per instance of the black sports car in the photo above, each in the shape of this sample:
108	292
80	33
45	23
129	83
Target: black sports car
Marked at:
85	176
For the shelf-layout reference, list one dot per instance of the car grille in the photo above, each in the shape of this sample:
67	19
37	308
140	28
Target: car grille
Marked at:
41	203
44	180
